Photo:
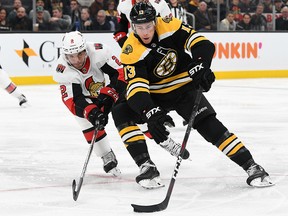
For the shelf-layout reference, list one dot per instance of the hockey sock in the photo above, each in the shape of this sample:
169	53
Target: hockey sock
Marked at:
134	141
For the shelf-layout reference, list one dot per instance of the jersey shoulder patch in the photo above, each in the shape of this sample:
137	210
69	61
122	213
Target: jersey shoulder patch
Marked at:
98	46
133	50
60	68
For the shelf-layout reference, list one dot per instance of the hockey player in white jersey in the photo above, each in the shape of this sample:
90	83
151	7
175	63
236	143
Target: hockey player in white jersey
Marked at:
80	73
124	8
7	84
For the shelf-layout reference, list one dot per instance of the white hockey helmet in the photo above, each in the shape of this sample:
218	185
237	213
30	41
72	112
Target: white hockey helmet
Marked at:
73	42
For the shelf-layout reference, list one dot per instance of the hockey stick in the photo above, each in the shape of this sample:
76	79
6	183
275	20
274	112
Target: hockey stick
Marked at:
77	191
163	205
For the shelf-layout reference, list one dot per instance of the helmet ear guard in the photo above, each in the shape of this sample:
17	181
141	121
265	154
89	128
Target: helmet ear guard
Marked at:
73	42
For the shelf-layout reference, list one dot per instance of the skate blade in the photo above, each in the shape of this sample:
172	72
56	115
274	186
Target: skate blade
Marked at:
259	183
151	183
115	172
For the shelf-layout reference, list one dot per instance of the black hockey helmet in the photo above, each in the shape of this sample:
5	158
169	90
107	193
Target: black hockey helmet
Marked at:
142	12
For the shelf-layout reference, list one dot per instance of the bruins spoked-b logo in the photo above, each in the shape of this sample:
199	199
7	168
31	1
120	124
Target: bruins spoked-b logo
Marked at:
167	65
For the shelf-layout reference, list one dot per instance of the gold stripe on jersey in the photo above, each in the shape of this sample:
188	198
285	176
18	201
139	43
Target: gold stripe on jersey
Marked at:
137	85
165	29
131	134
193	39
170	84
231	146
133	51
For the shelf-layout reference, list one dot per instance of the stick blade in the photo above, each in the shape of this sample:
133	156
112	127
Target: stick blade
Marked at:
74	191
151	208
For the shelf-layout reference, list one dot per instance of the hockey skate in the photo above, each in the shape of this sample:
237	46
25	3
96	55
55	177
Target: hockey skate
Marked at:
23	101
174	148
149	177
110	164
258	177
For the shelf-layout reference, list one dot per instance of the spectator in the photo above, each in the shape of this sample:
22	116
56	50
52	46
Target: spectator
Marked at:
101	22
45	13
86	3
43	24
48	6
247	6
21	22
111	12
192	6
228	24
86	23
64	4
245	23
234	7
258	20
75	9
95	7
4	24
278	6
267	6
12	15
58	21
177	10
282	22
204	20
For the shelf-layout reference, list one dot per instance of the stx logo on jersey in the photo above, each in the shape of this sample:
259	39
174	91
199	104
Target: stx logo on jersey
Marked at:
152	112
25	53
195	69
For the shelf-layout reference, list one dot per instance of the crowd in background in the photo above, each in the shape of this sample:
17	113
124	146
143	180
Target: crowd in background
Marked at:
101	15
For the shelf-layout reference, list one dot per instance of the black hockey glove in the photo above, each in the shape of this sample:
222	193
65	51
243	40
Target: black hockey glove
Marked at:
201	75
157	119
95	115
107	97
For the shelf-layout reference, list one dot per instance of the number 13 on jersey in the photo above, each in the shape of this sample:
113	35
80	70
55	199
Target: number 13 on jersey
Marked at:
129	72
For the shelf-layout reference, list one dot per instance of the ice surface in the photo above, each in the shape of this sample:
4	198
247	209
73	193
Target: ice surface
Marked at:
42	150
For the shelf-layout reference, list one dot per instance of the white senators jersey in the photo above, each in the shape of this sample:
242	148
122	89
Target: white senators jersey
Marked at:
88	81
161	7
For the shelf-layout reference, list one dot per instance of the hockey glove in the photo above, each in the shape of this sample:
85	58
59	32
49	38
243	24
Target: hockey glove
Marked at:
201	75
107	97
156	120
95	115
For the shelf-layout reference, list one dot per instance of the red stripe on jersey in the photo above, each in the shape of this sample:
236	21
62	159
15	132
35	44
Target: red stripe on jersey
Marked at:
86	66
121	74
10	88
70	105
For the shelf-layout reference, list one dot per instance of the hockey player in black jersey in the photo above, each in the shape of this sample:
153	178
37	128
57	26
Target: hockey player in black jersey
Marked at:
165	61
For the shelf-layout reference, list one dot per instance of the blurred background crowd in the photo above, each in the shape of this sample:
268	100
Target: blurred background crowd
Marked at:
101	15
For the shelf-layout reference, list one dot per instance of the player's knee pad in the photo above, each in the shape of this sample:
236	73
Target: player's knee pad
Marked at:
211	129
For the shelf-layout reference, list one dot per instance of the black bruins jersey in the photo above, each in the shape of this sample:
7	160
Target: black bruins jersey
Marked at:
159	71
